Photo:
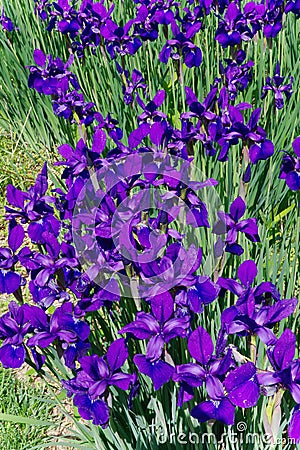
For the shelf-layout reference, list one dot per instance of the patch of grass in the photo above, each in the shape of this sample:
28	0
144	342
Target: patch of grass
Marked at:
19	398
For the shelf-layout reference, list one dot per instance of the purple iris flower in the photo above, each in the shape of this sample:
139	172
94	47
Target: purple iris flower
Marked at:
290	167
93	17
131	84
92	301
182	45
118	40
70	332
236	75
241	384
45	296
44	267
248	296
264	317
252	135
14	326
175	268
231	225
196	297
52	76
151	113
159	326
252	312
92	382
34	207
6	22
42	7
242	390
273	18
71	106
276	85
208	368
286	375
65	17
233	28
10	281
293	6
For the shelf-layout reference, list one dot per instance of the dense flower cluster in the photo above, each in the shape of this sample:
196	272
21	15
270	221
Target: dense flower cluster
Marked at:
112	234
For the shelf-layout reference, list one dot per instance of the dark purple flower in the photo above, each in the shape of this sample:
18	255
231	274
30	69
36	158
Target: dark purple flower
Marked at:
195	297
233	29
151	113
293	6
33	207
209	369
6	22
14	325
286	375
118	40
131	84
159	371
182	46
71	106
273	18
276	85
236	75
159	327
290	167
64	327
231	225
251	134
92	382
252	311
52	76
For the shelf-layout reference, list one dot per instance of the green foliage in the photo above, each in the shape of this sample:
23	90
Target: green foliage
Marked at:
25	412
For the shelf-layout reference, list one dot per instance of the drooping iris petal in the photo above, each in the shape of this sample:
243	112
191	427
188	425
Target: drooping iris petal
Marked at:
207	290
247	272
9	282
162	306
143	327
294	426
16	237
242	386
136	136
159	371
97	411
261	151
284	349
121	380
155	347
117	354
12	356
293	180
200	345
219	410
237	208
192	374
